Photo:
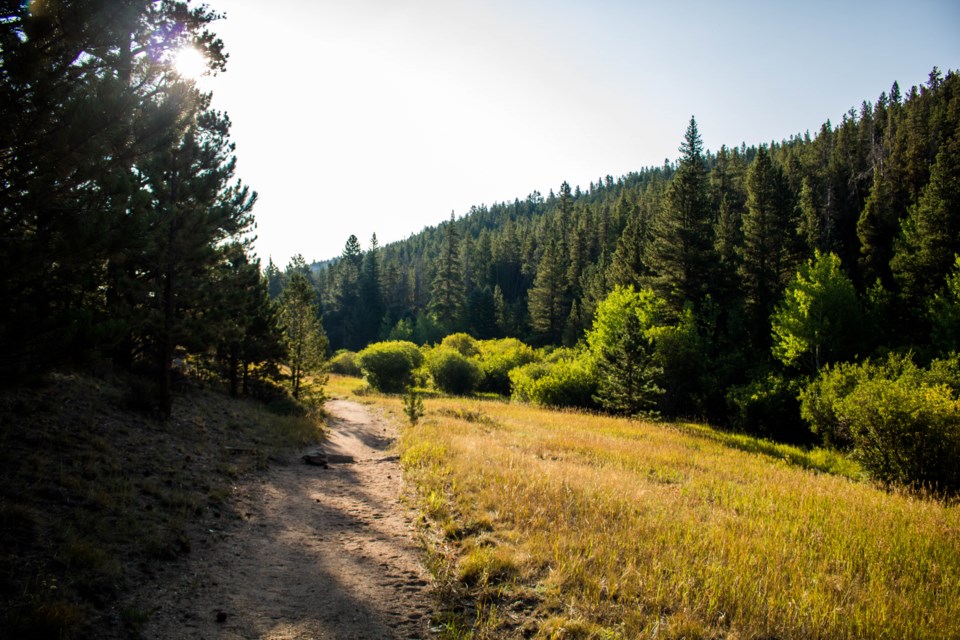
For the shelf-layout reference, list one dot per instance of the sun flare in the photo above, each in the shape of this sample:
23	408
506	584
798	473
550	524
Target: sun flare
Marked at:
190	63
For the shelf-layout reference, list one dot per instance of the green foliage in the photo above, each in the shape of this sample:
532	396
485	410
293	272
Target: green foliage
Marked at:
448	295
452	372
498	358
819	319
388	366
413	406
930	237
344	363
462	343
945	313
768	407
570	380
901	421
302	330
819	399
622	342
907	434
769	240
680	254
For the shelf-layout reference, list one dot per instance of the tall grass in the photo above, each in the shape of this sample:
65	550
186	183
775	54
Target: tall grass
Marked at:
613	528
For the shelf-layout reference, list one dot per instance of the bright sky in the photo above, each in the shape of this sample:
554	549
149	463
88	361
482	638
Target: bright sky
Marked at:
383	116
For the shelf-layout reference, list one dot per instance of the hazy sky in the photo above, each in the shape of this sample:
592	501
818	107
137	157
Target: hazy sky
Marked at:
383	116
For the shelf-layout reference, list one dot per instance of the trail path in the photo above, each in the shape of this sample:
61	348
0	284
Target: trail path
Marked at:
315	554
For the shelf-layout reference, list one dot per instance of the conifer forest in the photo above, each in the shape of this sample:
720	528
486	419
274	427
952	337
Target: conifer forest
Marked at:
785	289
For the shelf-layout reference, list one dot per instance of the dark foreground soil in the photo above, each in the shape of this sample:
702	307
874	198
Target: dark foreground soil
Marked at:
310	553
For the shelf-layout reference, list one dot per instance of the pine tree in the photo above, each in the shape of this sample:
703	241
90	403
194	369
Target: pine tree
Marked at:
548	302
372	306
244	318
448	293
877	230
931	232
193	207
343	320
680	255
769	241
302	331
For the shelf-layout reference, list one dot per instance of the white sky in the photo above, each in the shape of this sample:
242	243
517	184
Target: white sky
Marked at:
363	116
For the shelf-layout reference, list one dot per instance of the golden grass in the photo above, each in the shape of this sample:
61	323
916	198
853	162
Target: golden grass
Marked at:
625	529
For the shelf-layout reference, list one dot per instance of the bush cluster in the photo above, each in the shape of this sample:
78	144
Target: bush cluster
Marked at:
345	363
900	421
569	380
389	366
453	372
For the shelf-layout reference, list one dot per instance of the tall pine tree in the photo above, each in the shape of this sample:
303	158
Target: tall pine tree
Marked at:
680	255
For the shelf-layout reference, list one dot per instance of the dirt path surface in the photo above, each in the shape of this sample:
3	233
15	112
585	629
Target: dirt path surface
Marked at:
315	553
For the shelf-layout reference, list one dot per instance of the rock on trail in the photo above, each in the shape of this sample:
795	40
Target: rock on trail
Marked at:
318	553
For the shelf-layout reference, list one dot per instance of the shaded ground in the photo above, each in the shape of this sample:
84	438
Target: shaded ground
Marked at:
311	553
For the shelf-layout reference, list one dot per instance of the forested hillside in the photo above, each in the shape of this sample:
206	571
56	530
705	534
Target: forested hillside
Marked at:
718	236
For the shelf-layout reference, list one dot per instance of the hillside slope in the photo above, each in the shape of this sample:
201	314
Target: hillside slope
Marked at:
94	493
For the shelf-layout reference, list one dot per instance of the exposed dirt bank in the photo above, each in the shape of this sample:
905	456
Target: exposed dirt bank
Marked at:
311	553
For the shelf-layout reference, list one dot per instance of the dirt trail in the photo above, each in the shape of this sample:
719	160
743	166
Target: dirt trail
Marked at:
316	553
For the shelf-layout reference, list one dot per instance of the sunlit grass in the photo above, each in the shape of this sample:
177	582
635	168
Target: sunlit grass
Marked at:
618	528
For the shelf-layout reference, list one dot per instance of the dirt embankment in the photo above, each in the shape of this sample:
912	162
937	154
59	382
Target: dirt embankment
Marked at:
315	553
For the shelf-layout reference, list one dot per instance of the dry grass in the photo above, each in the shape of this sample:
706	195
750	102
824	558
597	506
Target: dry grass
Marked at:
94	494
567	525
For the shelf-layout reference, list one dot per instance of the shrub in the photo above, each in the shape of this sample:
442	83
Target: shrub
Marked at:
901	421
452	372
344	363
905	433
388	366
568	382
768	407
818	402
498	358
462	343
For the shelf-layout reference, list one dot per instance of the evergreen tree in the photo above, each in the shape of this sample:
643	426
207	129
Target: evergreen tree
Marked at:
372	306
448	292
877	230
680	255
931	231
192	208
244	318
274	278
627	267
769	241
622	342
303	332
549	304
82	107
343	321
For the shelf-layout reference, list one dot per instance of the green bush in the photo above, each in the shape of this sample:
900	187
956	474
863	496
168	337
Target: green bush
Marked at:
905	433
768	407
453	372
900	421
566	382
463	343
388	366
498	358
344	363
818	402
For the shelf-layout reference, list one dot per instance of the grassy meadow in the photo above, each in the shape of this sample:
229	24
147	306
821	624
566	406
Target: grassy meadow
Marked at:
568	525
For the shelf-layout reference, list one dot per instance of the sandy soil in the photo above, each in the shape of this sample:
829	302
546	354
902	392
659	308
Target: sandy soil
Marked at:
313	552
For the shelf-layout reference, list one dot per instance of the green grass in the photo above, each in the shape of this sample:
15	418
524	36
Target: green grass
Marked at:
93	493
611	528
